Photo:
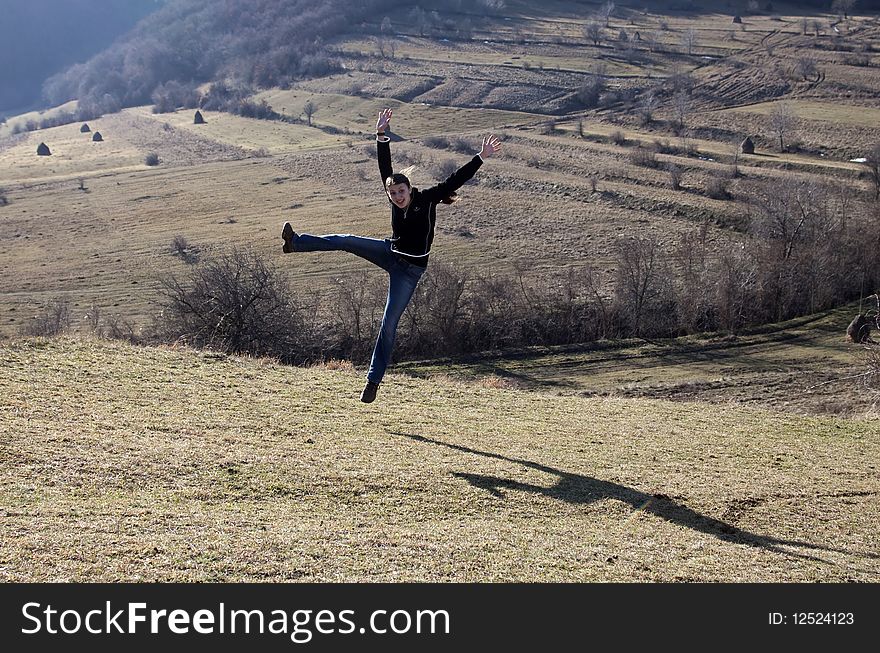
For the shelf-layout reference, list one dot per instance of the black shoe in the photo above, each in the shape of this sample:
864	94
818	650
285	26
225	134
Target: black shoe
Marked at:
369	393
288	235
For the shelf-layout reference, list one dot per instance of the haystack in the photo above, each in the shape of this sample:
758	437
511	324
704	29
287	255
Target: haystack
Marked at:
859	330
43	150
85	128
198	120
97	137
747	146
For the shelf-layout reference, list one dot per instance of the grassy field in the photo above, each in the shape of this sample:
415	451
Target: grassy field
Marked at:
129	464
824	111
803	366
358	114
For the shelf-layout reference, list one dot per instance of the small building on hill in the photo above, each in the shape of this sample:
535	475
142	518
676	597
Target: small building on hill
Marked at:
199	119
747	146
97	137
85	128
43	150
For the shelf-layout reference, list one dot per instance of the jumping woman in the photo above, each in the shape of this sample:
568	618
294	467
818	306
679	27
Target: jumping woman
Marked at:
404	256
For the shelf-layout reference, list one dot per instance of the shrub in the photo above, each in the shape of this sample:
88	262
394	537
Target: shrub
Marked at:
446	168
617	137
235	303
642	156
674	176
52	321
590	92
717	188
152	159
664	146
439	142
463	145
184	250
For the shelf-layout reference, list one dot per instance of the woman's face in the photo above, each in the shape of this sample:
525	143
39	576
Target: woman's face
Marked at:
400	195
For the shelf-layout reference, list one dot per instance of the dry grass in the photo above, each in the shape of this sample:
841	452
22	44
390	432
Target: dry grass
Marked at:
122	464
802	366
416	120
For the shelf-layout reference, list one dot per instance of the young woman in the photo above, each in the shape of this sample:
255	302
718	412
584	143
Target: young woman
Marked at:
404	256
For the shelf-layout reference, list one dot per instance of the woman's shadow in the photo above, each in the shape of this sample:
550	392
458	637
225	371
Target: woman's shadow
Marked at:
575	488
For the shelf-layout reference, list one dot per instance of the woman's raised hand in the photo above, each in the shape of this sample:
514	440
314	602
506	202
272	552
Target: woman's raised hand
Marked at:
384	120
491	145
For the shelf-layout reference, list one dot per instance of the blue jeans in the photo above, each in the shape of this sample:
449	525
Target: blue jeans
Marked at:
404	277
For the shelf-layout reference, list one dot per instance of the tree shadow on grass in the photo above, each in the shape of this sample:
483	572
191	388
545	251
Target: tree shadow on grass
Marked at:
578	489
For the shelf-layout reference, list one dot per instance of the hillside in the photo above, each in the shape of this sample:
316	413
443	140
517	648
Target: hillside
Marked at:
584	173
137	464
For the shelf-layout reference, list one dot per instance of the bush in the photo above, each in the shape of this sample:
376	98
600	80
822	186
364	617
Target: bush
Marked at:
674	176
152	159
590	92
446	168
664	146
717	188
234	303
617	137
52	321
642	156
463	145
439	142
184	250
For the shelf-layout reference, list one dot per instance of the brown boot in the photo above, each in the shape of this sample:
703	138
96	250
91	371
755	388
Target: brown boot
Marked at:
369	393
288	235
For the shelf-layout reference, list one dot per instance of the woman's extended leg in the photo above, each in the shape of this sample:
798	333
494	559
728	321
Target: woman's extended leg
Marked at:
374	250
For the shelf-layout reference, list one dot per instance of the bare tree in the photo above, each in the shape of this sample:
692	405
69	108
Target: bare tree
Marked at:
805	67
689	41
781	122
310	110
419	18
593	32
681	107
843	7
605	12
805	25
674	176
52	321
648	104
641	283
235	302
872	162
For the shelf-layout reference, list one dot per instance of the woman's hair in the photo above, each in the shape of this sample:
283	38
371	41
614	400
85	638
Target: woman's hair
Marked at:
402	177
397	178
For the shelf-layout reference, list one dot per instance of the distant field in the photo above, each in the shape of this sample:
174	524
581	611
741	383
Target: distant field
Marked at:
73	153
802	366
412	120
844	114
523	58
273	137
36	116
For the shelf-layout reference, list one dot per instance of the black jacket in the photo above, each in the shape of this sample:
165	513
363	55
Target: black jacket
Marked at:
413	228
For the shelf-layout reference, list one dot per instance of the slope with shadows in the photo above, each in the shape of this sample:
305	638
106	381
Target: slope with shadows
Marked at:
122	463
